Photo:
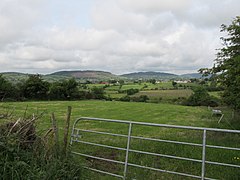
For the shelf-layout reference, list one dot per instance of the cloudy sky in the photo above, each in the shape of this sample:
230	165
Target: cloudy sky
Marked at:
120	36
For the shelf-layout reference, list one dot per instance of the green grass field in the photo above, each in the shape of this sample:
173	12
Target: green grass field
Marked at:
161	85
159	92
156	113
144	86
166	94
144	112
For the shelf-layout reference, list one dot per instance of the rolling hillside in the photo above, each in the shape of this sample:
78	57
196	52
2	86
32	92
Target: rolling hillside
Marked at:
150	75
160	75
89	75
98	76
16	77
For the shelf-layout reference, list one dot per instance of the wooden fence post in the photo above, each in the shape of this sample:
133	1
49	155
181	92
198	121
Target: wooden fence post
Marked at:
66	130
55	131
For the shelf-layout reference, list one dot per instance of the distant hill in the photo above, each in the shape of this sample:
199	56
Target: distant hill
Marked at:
191	75
161	75
89	75
61	75
150	75
15	77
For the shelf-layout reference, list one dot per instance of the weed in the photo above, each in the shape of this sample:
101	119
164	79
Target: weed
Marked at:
26	155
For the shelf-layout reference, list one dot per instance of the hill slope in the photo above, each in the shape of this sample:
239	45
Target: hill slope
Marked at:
15	77
90	75
61	75
191	75
150	75
98	76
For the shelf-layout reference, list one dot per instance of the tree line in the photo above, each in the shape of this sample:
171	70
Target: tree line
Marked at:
35	88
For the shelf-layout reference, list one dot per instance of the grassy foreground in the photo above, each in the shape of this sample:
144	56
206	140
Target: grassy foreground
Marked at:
145	112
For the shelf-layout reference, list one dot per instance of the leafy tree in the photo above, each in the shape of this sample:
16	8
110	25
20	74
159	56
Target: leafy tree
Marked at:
98	93
125	98
70	88
121	82
200	97
153	81
174	84
112	81
194	80
56	91
7	90
132	91
227	63
35	87
67	89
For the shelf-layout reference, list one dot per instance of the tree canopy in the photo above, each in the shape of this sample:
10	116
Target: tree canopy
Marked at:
227	64
6	88
35	87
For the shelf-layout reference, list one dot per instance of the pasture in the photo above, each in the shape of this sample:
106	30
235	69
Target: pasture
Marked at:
166	95
155	113
131	85
143	112
159	92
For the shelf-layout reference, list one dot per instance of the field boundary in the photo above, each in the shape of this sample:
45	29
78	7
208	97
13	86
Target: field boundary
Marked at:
76	135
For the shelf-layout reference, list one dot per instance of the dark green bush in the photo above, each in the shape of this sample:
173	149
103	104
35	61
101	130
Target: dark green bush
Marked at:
125	98
142	98
98	93
132	91
200	97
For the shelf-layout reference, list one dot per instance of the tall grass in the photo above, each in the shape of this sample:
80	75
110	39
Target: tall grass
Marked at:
25	154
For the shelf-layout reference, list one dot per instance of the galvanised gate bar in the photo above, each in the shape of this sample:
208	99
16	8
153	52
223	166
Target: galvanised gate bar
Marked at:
76	134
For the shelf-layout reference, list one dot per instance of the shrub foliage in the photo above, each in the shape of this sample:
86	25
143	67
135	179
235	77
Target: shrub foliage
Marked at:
200	97
26	155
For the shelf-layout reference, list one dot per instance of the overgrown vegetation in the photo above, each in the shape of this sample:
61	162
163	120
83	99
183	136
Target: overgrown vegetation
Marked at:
28	154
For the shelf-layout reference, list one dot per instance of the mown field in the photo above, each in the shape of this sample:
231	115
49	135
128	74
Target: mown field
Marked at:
143	112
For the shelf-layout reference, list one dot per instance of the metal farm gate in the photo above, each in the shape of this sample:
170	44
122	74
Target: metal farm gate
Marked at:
76	138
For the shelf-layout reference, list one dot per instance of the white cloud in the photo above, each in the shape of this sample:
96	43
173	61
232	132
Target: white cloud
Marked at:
107	14
17	18
155	6
121	36
78	38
